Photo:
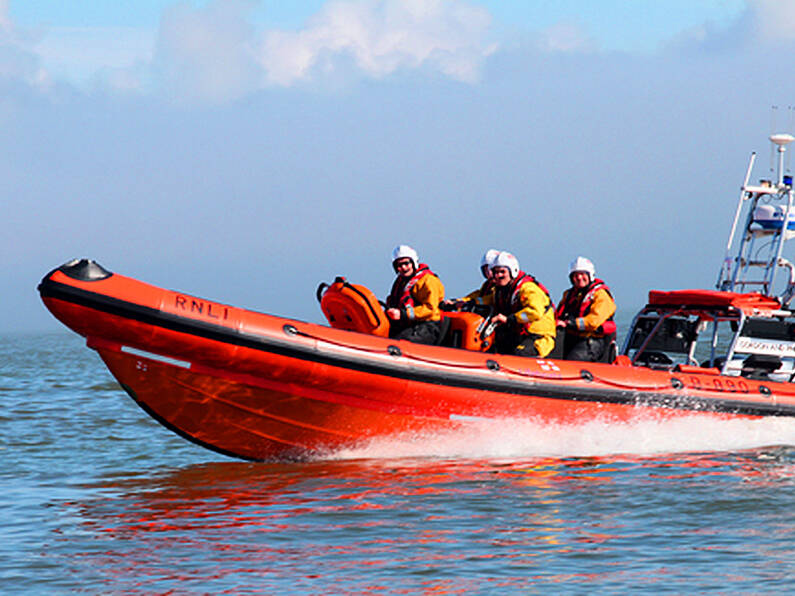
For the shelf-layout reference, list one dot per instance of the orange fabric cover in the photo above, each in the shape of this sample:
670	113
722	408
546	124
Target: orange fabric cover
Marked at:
713	298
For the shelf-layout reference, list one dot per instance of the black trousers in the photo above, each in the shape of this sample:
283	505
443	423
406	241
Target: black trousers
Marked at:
508	341
424	332
586	349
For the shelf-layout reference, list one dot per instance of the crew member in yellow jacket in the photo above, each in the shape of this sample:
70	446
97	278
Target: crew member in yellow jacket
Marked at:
525	314
586	313
479	296
413	303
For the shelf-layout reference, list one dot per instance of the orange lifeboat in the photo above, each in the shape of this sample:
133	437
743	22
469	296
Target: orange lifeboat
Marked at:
261	387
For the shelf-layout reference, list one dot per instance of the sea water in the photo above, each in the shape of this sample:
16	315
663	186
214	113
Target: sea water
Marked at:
95	497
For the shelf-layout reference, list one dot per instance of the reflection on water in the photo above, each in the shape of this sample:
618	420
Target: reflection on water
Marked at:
449	525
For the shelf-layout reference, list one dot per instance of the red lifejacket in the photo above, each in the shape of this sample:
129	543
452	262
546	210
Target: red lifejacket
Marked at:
400	295
577	304
506	299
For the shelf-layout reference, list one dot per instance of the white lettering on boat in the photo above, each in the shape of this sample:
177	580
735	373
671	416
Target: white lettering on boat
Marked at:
749	345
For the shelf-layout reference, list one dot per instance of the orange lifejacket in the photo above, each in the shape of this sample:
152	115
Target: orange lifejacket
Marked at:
576	304
400	295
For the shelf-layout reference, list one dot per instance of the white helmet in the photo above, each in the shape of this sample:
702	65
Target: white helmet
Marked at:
583	264
506	259
404	251
488	260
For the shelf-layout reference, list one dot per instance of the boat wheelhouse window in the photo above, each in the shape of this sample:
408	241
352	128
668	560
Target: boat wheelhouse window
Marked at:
662	341
769	329
675	334
714	341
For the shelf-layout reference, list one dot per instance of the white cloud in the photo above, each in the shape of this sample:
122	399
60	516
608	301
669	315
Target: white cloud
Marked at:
773	20
5	19
18	62
81	54
207	54
214	53
381	37
566	37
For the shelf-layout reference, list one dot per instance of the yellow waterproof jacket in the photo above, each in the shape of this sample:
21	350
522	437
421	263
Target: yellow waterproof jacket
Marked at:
536	316
480	295
601	309
418	297
427	294
531	311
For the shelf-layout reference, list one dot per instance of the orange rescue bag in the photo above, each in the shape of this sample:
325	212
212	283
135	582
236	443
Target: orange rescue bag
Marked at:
353	308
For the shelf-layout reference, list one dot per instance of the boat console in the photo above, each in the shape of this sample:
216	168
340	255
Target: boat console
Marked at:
757	344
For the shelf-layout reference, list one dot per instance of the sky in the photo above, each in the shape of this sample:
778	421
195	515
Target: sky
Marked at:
246	151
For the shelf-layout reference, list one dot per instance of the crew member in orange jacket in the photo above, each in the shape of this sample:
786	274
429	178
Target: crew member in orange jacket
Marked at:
413	303
525	313
586	313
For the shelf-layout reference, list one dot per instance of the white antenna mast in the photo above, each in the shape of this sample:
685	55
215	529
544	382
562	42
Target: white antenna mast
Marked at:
773	128
790	126
770	217
781	140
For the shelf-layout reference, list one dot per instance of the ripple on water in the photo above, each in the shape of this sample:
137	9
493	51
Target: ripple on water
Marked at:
96	497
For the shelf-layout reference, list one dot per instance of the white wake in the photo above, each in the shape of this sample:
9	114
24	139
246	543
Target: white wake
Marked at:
525	439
